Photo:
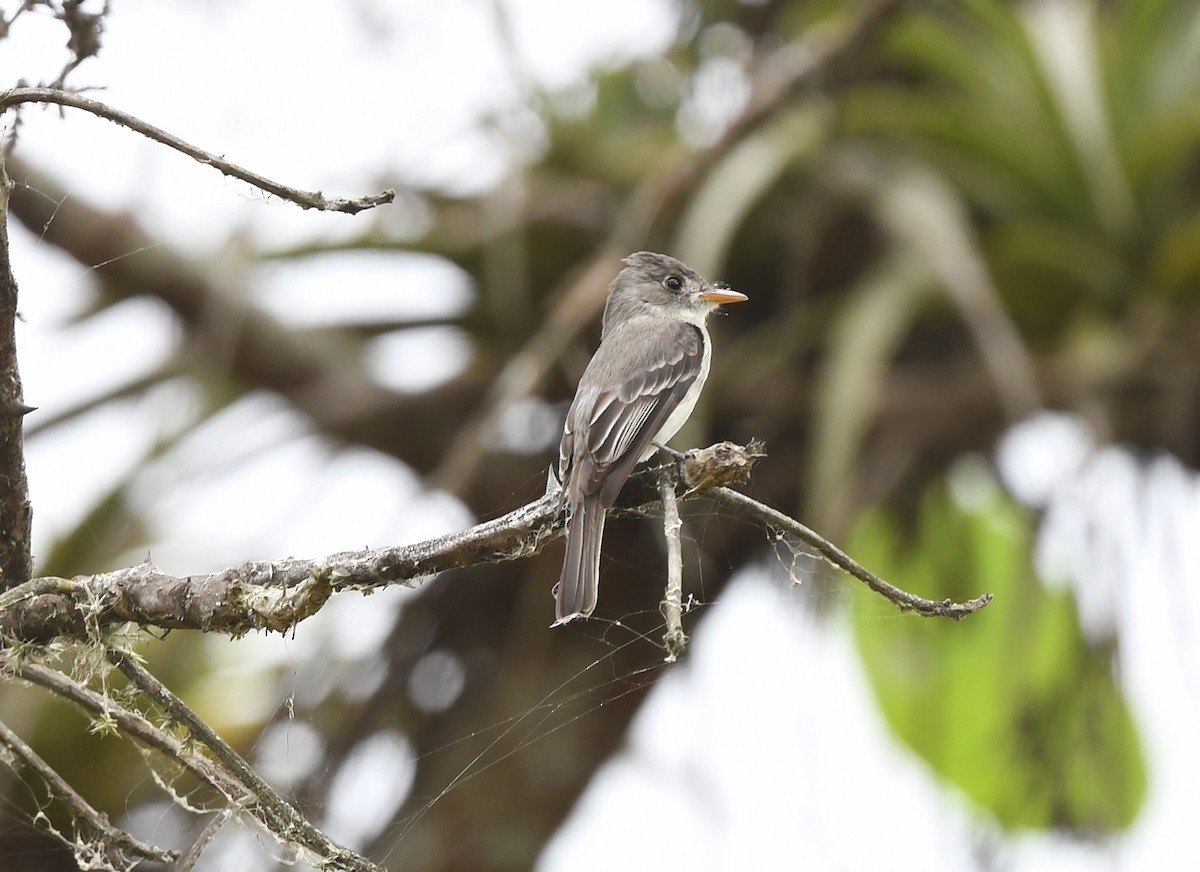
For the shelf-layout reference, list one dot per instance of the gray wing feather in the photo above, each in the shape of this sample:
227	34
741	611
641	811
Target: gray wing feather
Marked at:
639	395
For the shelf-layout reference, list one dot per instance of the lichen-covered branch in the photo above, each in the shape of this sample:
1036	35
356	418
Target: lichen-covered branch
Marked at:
113	846
277	595
291	826
269	810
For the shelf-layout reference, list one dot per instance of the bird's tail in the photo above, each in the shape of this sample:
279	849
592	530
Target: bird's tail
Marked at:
576	597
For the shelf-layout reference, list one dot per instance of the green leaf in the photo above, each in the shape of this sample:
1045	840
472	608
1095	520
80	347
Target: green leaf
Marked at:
1012	705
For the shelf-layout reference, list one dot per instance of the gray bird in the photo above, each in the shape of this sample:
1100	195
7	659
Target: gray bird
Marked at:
638	389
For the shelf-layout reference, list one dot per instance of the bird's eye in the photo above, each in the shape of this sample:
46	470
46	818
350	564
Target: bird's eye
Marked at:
673	283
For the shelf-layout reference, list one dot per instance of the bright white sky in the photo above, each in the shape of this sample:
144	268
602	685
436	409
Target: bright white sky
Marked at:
796	771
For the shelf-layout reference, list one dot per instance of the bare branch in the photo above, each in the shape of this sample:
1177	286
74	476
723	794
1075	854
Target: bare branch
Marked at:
674	639
276	595
907	602
16	514
115	844
303	199
192	855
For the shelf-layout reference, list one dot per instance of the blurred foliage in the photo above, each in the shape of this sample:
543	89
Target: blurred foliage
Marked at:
1070	129
1014	706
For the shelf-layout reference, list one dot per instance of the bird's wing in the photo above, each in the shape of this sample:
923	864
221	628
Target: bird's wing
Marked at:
640	395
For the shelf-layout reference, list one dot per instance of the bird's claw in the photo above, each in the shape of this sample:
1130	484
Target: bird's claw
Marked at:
680	458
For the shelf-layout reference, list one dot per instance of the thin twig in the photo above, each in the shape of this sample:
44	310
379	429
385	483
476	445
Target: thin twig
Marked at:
674	639
192	855
117	844
303	199
903	599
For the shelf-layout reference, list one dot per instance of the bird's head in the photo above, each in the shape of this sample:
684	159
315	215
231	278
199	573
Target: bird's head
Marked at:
657	282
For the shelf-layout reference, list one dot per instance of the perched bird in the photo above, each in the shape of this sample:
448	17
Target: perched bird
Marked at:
638	389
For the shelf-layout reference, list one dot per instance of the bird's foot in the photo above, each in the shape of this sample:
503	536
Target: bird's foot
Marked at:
680	458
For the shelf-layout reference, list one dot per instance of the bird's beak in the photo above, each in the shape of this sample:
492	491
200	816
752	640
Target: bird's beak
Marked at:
721	293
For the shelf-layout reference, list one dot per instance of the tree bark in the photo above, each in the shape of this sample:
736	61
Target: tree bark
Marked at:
16	514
